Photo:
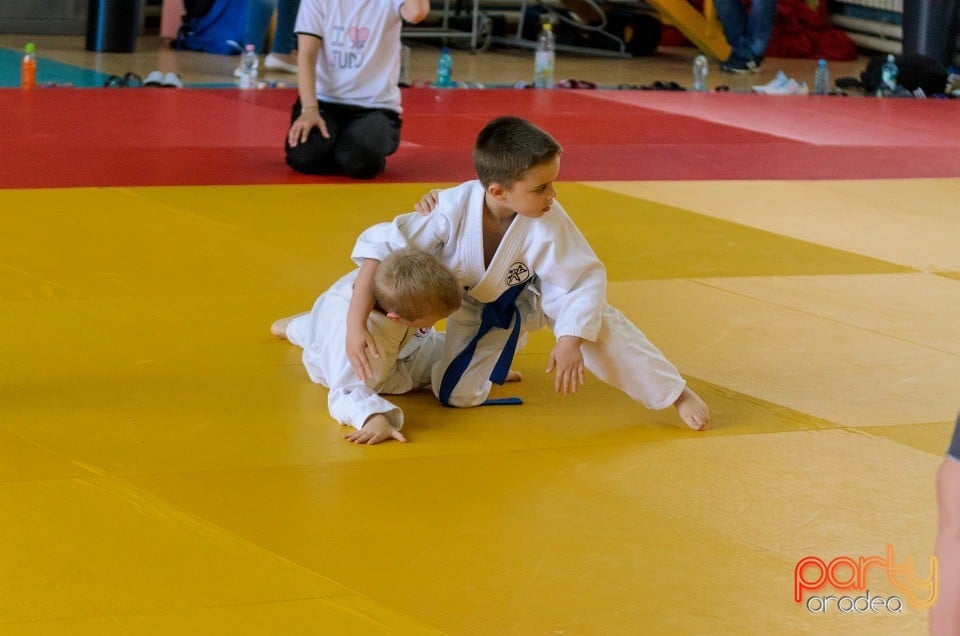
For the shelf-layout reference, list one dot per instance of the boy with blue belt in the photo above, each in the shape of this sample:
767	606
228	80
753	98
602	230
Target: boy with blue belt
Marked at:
523	264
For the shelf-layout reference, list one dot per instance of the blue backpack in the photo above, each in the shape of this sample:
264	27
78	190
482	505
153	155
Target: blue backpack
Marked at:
212	26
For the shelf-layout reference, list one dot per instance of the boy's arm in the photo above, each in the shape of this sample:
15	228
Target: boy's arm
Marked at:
375	430
374	244
567	359
573	281
308	52
358	404
428	203
359	341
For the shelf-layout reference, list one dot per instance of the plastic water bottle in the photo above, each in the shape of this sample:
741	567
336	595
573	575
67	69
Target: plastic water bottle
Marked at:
444	69
888	74
821	79
543	60
700	69
28	68
248	67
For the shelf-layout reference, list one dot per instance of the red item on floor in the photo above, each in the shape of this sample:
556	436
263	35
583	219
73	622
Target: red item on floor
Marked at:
801	32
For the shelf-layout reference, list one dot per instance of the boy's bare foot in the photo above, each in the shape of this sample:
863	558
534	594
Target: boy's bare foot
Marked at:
513	376
279	327
693	411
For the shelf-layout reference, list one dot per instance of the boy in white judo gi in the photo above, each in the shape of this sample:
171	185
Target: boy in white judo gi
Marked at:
411	291
523	263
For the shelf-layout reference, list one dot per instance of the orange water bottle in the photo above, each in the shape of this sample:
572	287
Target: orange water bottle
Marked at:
28	68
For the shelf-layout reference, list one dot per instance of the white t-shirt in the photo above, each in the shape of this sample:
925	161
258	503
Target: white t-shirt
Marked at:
359	61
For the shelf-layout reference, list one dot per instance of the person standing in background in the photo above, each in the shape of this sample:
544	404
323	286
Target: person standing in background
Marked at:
282	55
748	33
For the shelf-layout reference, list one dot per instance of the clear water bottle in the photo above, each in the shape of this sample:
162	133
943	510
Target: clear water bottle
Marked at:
444	69
543	60
700	69
888	74
821	79
28	68
248	67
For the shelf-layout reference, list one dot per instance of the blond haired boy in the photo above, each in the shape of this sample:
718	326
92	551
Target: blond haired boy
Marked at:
412	291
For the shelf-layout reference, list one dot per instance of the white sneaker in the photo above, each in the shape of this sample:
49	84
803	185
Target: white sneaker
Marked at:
776	84
155	78
783	86
797	88
172	80
274	63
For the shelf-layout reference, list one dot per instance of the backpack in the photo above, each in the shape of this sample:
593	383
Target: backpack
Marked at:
914	71
212	26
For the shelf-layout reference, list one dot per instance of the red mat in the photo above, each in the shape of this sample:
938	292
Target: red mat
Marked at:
123	137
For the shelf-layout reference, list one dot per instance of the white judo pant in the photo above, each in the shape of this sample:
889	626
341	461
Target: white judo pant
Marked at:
621	356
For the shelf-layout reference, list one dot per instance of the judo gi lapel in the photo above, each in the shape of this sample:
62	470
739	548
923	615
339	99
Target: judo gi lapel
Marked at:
508	267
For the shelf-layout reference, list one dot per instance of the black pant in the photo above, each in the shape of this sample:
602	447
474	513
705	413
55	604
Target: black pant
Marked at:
359	143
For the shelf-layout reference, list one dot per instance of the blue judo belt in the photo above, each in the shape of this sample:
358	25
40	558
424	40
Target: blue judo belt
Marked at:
500	313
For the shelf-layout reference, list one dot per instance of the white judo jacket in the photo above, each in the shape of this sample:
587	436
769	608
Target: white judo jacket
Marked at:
567	277
566	290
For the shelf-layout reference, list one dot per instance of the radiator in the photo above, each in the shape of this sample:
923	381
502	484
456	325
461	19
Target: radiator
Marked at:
872	24
895	6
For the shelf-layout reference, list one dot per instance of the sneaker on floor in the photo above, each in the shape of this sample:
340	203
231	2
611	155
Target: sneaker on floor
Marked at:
155	78
778	82
172	80
739	66
273	63
790	87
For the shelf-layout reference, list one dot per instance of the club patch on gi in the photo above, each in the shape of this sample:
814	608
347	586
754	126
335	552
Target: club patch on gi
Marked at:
518	274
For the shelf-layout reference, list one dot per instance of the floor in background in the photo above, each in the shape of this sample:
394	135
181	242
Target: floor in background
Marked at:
210	137
167	467
503	66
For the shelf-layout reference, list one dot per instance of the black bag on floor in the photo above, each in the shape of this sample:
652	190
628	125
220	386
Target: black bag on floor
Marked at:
914	71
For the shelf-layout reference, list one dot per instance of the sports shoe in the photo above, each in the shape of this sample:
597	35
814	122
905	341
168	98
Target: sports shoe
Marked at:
740	66
777	83
797	88
172	80
155	78
788	87
274	63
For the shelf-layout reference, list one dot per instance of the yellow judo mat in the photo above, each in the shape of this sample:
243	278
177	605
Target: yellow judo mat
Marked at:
167	467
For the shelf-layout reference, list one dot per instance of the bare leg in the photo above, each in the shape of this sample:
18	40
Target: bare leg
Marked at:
945	613
279	327
693	410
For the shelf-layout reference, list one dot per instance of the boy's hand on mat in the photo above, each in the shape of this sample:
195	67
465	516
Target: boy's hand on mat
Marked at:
376	429
360	344
301	127
567	360
428	203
